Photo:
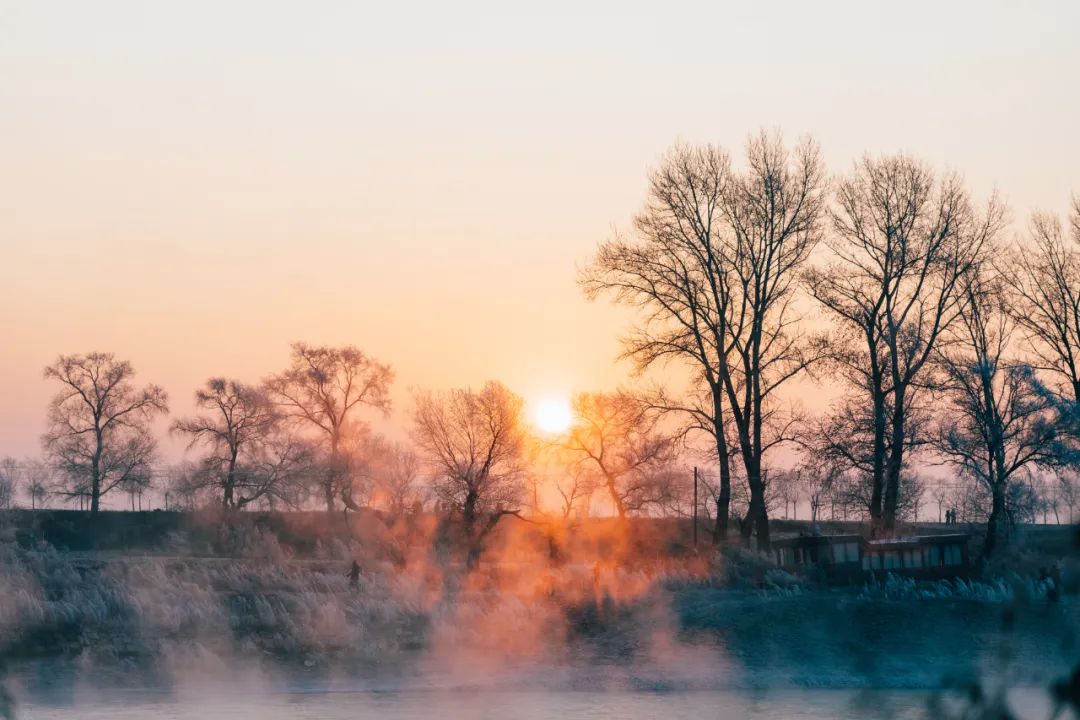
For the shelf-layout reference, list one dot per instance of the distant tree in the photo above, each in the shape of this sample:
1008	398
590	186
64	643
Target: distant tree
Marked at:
99	424
575	488
902	242
278	470
10	476
474	442
818	483
323	389
37	476
1069	491
941	494
995	424
238	422
395	471
618	437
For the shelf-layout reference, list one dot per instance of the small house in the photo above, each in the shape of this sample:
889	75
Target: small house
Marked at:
926	556
838	556
844	558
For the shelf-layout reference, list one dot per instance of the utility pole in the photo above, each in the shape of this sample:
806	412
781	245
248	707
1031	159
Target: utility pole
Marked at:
695	506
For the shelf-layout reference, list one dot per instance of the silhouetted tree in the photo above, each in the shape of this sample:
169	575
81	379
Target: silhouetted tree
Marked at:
995	424
902	242
715	268
674	271
237	421
323	389
773	209
99	424
475	444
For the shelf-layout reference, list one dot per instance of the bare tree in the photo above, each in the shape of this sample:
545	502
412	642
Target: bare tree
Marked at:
1043	282
575	489
238	422
616	436
475	443
996	423
395	471
715	270
1044	285
99	432
278	469
673	271
773	210
1069	489
818	483
10	477
36	476
323	389
902	242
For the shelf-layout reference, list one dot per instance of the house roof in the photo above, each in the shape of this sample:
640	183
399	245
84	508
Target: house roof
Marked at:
812	540
882	544
915	541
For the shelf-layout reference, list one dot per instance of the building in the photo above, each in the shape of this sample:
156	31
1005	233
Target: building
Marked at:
845	558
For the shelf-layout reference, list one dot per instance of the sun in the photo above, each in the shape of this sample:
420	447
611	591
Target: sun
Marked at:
553	415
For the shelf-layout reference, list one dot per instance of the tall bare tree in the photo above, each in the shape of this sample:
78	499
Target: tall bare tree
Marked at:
714	266
673	271
996	423
475	444
618	437
773	209
323	389
901	244
99	424
1043	281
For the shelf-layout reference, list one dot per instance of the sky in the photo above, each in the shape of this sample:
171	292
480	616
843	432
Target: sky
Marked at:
195	185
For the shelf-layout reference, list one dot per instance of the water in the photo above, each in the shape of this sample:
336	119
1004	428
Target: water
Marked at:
52	691
500	705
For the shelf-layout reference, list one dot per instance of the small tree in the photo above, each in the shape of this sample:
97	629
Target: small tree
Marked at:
10	475
99	424
475	444
619	438
394	470
37	476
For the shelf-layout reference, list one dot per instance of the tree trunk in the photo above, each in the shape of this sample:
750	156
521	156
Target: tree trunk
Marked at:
894	465
997	525
723	457
95	474
878	479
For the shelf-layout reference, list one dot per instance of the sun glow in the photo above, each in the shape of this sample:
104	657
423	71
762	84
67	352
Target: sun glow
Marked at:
553	415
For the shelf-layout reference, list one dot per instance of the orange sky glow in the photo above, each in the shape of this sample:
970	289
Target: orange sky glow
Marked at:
193	186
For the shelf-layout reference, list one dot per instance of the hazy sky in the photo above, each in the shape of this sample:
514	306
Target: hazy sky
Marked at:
194	185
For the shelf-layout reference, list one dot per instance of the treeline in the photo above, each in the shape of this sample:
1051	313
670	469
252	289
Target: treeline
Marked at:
953	340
